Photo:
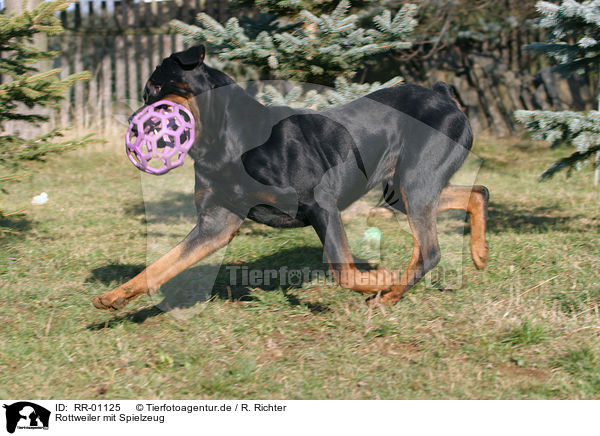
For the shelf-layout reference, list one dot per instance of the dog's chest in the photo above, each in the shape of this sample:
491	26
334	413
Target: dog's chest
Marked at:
273	217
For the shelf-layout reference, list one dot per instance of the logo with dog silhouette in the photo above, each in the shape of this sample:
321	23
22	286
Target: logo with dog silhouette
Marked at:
26	415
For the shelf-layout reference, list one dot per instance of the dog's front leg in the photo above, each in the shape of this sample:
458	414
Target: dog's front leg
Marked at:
215	228
328	225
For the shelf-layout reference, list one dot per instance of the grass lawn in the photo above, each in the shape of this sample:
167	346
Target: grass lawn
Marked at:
527	327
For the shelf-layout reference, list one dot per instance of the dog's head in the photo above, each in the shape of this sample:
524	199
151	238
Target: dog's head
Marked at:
178	78
181	78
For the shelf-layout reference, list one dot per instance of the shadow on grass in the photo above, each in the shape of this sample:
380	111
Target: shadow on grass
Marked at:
503	217
170	210
114	273
14	226
515	218
137	317
177	293
187	289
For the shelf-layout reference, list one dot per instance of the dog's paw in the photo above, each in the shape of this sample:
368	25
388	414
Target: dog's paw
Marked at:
382	299
479	253
110	301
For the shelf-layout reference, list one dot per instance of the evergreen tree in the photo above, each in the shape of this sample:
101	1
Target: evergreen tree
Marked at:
24	86
314	42
574	44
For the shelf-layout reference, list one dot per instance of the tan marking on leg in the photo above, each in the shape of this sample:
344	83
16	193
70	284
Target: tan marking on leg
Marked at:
473	200
414	265
409	276
416	268
165	268
375	281
368	282
350	277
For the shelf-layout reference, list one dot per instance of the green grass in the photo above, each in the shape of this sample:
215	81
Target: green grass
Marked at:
584	363
526	327
525	333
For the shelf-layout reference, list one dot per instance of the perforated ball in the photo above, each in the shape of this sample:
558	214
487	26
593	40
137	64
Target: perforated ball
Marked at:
159	137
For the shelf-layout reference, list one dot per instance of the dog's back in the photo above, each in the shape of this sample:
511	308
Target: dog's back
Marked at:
437	107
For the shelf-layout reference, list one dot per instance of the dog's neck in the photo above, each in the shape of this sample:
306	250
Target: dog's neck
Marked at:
231	121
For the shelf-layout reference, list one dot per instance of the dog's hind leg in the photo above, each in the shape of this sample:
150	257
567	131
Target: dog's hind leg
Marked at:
214	230
426	251
474	200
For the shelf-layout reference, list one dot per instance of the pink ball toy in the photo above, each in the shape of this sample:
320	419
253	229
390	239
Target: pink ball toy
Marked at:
159	137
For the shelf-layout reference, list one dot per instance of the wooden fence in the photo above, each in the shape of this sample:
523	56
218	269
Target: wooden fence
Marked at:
120	66
490	89
127	16
121	42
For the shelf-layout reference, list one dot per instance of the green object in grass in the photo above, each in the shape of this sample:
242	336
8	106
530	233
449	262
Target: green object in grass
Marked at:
372	234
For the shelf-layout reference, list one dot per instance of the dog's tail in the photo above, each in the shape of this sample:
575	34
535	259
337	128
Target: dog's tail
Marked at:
449	91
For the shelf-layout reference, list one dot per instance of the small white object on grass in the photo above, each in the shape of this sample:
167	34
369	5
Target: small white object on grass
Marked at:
40	199
372	234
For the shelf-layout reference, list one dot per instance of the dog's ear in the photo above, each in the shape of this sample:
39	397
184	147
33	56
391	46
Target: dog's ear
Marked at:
191	57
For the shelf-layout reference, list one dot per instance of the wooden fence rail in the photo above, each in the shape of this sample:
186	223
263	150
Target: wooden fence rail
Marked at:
120	66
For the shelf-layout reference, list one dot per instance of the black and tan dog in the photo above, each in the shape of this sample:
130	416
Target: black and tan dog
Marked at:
290	168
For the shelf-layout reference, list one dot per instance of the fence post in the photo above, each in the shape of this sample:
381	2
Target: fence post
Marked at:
84	14
111	17
106	84
78	86
65	105
120	74
132	69
96	14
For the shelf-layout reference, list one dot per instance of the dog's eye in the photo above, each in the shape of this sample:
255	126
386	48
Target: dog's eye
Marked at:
157	88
